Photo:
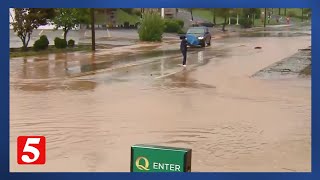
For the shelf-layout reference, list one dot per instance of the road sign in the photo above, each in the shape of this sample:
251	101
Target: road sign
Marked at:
151	158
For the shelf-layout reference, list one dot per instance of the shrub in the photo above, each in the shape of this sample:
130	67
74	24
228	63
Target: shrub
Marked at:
44	39
171	26
151	28
60	43
245	22
71	43
180	22
41	44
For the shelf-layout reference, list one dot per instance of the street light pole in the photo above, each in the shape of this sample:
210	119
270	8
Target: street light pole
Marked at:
93	35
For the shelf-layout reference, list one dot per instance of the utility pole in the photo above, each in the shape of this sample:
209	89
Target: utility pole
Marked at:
265	17
93	35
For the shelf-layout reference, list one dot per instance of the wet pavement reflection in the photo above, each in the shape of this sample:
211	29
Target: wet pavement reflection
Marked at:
93	107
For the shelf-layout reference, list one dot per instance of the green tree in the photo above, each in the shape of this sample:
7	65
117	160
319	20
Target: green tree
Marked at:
224	12
69	18
28	19
252	13
213	10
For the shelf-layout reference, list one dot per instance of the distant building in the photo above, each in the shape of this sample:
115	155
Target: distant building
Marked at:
170	12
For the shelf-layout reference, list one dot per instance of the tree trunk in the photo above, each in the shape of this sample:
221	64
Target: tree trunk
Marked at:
191	14
285	11
279	11
28	39
224	24
253	18
65	32
265	17
23	39
93	34
302	14
214	16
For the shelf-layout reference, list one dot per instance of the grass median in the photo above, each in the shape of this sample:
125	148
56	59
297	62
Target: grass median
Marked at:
18	52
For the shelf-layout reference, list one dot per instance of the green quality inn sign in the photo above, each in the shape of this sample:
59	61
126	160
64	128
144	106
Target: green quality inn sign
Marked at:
150	158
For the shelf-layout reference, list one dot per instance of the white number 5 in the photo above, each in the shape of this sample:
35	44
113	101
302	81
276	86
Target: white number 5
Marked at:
31	149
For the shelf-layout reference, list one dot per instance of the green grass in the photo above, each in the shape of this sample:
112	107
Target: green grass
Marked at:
207	15
17	52
121	17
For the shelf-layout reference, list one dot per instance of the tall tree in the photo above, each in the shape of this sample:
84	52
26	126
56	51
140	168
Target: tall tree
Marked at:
68	18
213	16
224	12
27	19
251	13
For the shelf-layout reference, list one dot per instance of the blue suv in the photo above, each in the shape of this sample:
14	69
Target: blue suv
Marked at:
198	36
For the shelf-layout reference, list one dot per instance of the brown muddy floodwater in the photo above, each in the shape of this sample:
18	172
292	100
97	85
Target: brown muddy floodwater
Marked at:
93	108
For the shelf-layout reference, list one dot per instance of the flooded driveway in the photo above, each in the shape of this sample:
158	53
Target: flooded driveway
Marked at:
92	108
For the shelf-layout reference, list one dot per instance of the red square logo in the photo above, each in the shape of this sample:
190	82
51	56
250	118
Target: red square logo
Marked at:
31	150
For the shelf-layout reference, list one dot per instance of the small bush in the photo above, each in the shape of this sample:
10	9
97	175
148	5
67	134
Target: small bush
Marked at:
44	39
60	43
246	22
180	22
41	44
71	43
151	28
171	26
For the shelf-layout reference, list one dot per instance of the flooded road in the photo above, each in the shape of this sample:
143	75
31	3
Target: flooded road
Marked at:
93	108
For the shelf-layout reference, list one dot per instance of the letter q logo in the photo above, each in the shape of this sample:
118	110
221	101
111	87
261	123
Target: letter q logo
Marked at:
142	165
31	150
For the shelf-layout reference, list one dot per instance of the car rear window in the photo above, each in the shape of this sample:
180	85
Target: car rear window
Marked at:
196	31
